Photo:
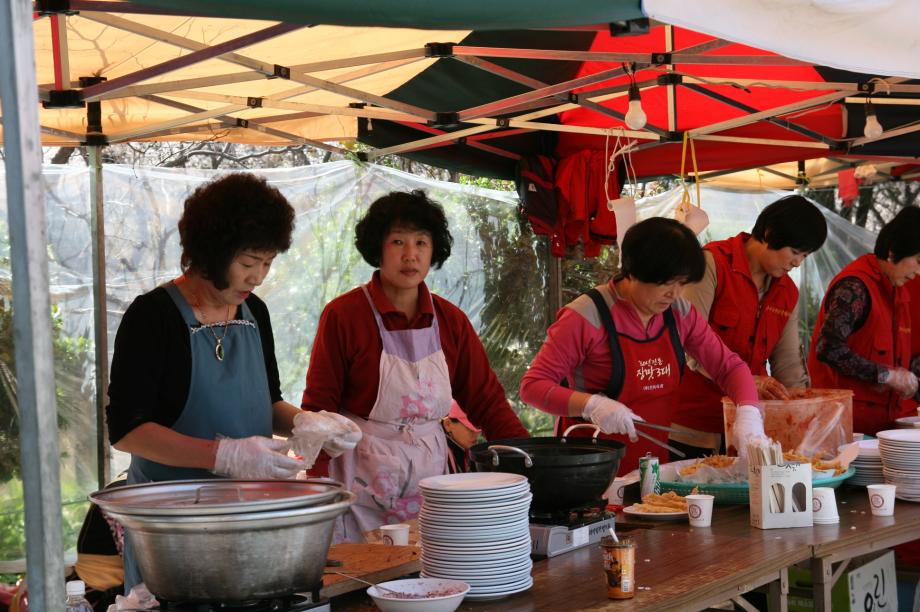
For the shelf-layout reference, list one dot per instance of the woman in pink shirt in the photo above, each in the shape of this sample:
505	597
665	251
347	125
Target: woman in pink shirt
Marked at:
619	350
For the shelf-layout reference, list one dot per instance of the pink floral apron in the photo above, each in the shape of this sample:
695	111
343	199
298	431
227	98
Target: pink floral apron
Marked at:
403	440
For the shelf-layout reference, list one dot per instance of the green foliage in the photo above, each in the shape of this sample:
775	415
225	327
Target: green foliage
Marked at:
12	518
70	395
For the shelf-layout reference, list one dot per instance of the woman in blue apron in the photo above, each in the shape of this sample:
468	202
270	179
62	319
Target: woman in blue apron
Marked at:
194	389
391	356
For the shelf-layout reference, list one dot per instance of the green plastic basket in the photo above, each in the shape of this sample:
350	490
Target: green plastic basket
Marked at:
737	492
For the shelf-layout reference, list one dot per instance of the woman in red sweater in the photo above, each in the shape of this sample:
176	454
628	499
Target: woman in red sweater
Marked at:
751	303
391	356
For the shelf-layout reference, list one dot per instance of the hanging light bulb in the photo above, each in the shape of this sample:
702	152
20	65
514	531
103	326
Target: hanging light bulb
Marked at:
635	117
872	129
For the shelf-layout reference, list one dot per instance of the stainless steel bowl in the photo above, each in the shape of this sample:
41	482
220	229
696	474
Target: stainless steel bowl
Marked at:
234	557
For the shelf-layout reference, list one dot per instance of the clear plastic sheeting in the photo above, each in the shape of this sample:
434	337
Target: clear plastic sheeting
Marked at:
731	212
496	274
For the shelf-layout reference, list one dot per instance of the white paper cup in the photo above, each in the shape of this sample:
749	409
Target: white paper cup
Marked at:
615	492
881	499
824	505
699	509
395	534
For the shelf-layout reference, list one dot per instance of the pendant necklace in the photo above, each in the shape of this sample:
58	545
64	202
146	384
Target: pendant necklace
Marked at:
218	340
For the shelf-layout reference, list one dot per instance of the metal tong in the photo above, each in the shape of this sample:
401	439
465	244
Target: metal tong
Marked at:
654	440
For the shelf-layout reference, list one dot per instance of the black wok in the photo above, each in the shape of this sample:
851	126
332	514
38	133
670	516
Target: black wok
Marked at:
564	473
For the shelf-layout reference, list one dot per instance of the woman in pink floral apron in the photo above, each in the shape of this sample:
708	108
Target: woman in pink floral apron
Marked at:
391	357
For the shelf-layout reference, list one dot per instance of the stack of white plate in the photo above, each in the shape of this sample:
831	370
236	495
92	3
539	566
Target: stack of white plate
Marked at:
868	464
900	451
474	527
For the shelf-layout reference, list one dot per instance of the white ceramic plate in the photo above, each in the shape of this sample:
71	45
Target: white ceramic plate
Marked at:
512	555
485	521
473	510
474	499
498	522
472	481
487	582
655	516
475	547
479	568
483	562
489	535
485	594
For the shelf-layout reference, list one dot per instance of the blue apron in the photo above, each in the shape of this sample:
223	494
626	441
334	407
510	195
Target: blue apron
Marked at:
228	398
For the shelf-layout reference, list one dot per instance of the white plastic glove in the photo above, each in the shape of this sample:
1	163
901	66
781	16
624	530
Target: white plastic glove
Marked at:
611	416
346	438
255	457
902	381
748	427
335	432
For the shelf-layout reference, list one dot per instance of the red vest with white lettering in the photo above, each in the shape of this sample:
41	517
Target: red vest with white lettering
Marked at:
884	338
747	325
909	405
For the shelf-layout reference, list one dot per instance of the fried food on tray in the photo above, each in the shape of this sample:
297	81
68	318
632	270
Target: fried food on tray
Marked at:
716	461
816	462
665	502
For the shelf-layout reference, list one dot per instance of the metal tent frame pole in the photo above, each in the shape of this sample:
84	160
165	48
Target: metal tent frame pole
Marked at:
31	308
100	312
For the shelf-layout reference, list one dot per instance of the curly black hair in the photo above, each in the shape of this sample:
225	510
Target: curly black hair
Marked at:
791	221
401	209
230	214
660	250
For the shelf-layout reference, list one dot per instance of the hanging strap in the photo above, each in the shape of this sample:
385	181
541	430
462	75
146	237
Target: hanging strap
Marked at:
686	200
618	374
671	323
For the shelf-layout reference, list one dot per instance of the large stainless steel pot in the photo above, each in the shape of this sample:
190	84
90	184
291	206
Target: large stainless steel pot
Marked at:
234	557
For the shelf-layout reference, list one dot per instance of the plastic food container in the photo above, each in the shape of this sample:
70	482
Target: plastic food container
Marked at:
825	415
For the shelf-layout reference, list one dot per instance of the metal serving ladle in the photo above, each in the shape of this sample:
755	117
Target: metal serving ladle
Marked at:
368	582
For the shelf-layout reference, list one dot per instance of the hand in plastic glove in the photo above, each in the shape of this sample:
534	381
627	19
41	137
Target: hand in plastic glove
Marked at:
748	427
769	388
347	436
255	457
611	416
901	381
336	432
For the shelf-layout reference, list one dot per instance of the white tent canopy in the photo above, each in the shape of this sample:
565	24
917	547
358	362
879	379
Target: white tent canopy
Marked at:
871	36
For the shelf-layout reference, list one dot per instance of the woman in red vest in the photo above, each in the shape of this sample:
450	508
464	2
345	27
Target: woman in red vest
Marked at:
621	346
752	304
862	339
908	405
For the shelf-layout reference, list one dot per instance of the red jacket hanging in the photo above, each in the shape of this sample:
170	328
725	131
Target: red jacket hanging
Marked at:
884	338
583	200
748	326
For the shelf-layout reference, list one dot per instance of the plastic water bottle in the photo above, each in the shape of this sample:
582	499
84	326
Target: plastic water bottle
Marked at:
76	597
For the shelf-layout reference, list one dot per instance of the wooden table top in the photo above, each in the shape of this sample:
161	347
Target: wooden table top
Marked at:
677	565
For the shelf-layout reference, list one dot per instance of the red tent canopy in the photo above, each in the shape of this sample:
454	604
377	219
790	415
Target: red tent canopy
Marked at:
698	104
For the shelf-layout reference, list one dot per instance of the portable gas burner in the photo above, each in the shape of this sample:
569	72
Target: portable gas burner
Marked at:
298	602
559	532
